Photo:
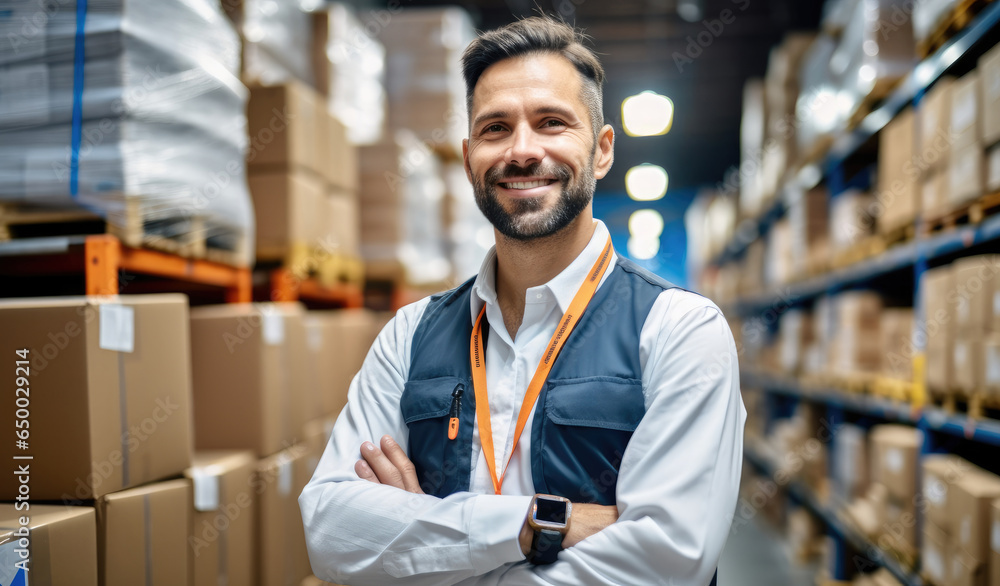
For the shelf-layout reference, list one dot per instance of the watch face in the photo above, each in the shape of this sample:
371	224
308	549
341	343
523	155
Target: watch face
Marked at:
550	511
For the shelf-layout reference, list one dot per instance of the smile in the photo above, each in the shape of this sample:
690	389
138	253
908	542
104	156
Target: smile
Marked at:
527	184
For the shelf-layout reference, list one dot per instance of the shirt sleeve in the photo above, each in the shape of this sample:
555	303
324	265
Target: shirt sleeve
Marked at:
679	479
359	532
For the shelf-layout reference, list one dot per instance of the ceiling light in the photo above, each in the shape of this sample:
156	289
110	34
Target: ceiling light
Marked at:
647	114
645	224
646	182
643	248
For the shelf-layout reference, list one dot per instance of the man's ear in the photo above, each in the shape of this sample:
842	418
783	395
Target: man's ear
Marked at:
604	154
465	159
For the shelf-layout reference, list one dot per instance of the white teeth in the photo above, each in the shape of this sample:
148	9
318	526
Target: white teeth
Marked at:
527	184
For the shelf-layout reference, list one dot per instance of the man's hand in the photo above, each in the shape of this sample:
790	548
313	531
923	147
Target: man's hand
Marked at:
388	465
585	520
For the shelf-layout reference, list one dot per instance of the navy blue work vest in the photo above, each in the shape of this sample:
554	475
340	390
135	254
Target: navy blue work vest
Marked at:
586	412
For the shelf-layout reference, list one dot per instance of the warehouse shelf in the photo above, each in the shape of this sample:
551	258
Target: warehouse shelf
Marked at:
905	256
985	431
101	259
283	286
828	514
963	46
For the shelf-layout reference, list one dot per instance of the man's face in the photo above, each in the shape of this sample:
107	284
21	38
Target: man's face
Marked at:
531	152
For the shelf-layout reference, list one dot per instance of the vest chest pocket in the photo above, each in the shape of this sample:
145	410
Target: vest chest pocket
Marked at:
587	426
442	465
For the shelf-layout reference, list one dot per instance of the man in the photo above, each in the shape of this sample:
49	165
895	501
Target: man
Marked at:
626	388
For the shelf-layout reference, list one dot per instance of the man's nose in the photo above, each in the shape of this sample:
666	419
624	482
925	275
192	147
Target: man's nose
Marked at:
525	147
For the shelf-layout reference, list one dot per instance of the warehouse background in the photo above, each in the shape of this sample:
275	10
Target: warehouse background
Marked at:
827	172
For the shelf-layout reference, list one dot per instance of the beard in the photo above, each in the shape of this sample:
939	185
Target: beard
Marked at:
527	219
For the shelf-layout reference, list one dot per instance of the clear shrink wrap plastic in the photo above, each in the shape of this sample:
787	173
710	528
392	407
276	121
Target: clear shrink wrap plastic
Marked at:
355	75
277	37
148	121
818	109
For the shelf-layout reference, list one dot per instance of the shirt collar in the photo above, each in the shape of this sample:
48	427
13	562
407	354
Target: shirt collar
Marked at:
563	286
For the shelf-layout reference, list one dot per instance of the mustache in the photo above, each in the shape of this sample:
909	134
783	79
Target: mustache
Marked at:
498	174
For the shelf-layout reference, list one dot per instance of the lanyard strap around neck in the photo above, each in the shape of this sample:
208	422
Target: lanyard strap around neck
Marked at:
477	356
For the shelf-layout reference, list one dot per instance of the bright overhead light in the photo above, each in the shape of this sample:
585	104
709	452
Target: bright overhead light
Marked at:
645	224
646	182
689	10
643	248
647	114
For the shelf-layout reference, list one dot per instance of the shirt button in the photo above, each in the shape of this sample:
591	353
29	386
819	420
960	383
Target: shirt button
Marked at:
538	296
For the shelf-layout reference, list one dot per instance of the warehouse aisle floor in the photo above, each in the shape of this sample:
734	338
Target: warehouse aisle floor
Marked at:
756	555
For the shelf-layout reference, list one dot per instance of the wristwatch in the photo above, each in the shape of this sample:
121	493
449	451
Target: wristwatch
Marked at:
548	518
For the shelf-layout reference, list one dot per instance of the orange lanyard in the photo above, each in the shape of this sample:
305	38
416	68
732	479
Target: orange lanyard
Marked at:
477	355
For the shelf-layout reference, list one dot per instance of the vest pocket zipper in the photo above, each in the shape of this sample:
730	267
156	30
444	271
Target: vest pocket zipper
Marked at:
456	408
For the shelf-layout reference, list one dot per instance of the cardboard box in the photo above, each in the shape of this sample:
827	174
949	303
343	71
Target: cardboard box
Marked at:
110	392
899	190
964	570
970	370
941	472
338	158
936	286
291	209
61	545
965	111
992	170
934	198
969	504
142	533
936	553
850	465
991	360
249	376
284	129
995	543
900	528
894	461
852	218
966	176
934	137
342	235
978	295
989	71
281	550
896	331
337	342
856	340
222	529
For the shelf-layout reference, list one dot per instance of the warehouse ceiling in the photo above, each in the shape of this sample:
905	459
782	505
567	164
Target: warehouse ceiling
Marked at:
647	45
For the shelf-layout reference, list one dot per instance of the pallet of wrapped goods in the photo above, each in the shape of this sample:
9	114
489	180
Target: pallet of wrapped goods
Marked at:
60	544
816	111
401	196
936	21
223	517
781	92
894	462
895	380
935	286
110	406
145	136
877	50
277	40
424	80
349	68
142	534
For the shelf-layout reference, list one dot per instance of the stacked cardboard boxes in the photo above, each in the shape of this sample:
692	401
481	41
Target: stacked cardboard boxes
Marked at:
303	177
896	331
934	146
424	74
809	219
898	178
855	349
894	451
936	286
965	165
277	39
52	545
852	219
989	72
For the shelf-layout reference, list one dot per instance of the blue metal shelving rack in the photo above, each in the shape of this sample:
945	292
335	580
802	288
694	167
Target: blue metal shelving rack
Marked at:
915	256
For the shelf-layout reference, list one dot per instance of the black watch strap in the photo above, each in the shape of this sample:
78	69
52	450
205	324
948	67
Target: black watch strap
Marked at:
545	546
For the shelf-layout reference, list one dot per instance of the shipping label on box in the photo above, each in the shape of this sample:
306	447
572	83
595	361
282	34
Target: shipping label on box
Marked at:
221	543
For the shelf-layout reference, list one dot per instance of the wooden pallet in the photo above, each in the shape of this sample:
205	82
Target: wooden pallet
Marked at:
312	261
892	236
970	213
863	249
857	383
894	389
190	237
975	405
959	18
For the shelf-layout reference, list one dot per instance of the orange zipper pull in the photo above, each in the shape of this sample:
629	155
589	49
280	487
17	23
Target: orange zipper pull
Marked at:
456	408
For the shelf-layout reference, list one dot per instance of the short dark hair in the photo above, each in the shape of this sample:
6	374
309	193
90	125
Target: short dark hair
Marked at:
537	34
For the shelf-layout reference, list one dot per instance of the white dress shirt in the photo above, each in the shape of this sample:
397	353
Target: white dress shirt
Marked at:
677	485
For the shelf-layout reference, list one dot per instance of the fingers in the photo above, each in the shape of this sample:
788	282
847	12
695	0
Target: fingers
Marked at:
364	471
387	465
397	456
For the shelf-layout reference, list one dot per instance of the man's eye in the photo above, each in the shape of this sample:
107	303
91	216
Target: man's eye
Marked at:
552	123
493	128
